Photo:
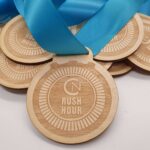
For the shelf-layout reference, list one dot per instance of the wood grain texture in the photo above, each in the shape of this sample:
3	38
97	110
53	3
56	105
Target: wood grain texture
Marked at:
18	44
72	100
141	58
125	42
120	68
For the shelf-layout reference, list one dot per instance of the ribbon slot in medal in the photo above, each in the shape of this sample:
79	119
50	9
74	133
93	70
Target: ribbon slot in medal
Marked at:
72	100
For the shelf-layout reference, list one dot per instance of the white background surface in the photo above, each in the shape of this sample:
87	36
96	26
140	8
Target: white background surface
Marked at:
129	131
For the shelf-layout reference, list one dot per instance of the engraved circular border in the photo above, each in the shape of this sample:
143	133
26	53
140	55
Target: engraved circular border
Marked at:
16	42
123	42
16	58
9	71
80	139
95	84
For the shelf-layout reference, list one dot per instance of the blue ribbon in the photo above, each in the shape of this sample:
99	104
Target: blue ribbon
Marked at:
145	9
73	11
48	21
107	23
56	36
7	10
77	11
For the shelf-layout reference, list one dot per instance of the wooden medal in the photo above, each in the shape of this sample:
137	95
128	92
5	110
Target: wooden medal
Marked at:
14	75
72	100
18	44
124	43
141	57
119	68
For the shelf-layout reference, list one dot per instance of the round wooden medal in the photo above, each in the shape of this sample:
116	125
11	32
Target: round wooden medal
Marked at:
18	44
119	68
124	43
141	57
14	75
72	100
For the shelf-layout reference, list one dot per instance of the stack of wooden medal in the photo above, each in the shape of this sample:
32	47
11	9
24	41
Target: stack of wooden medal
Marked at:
129	49
20	56
71	100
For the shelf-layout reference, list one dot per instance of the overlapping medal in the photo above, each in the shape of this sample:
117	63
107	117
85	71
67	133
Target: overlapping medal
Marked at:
141	58
123	45
71	99
123	49
13	74
18	44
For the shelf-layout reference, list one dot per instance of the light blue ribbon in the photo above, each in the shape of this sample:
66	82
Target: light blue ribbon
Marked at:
48	22
72	11
77	11
145	9
56	36
107	23
7	10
